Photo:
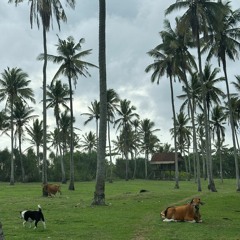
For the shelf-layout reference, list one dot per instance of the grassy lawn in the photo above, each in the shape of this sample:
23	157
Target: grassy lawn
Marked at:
130	215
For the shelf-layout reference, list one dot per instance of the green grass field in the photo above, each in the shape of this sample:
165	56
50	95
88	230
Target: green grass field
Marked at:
130	215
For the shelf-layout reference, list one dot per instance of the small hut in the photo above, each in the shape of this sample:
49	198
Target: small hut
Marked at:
163	164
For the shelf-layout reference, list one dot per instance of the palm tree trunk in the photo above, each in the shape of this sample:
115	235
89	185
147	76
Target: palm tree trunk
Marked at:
175	136
20	157
232	127
211	184
12	157
110	153
71	183
99	194
44	167
195	148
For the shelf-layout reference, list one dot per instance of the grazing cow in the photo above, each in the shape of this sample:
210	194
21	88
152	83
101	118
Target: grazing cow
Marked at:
185	213
51	189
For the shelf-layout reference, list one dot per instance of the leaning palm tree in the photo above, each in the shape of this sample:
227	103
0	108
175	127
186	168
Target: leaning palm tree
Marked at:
71	65
14	88
58	96
43	11
22	114
200	17
225	42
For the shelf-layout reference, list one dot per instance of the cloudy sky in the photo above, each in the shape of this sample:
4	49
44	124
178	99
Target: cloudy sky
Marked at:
133	28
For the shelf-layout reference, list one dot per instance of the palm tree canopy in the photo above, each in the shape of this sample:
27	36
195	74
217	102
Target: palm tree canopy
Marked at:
224	41
45	9
14	86
69	58
57	95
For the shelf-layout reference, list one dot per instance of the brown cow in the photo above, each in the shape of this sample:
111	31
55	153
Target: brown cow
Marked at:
186	213
52	189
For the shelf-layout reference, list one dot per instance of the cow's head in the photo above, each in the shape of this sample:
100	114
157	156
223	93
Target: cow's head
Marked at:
196	202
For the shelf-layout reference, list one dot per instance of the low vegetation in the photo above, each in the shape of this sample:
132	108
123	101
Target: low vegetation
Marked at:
128	215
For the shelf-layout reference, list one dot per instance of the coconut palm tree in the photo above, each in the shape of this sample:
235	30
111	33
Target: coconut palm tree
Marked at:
126	115
94	113
136	123
58	96
164	64
22	114
146	132
43	11
36	138
213	93
14	88
217	121
223	43
99	193
178	42
183	134
112	104
71	65
200	17
89	142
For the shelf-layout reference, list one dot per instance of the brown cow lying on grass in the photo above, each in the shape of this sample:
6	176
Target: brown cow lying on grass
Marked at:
185	213
52	189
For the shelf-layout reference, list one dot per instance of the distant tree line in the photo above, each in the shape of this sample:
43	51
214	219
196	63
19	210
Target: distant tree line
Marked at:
86	164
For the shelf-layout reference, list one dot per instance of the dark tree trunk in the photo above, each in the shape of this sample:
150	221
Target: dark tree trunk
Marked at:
71	183
99	194
44	167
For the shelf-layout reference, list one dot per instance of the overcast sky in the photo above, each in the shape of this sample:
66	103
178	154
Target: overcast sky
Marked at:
132	29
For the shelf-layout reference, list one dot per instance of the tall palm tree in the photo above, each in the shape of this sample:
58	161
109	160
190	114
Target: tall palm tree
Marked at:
217	121
146	132
57	96
43	11
164	63
94	113
99	193
64	125
22	114
223	43
136	123
200	17
89	142
124	122
71	65
178	42
14	88
183	132
112	104
213	93
36	138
